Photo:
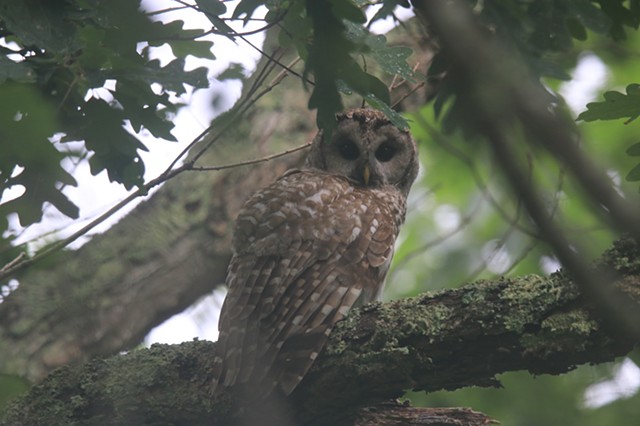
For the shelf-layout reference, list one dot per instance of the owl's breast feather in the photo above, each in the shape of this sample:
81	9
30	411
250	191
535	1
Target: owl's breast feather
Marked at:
328	210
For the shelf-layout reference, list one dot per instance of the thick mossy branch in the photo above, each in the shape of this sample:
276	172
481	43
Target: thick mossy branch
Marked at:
395	413
446	340
464	337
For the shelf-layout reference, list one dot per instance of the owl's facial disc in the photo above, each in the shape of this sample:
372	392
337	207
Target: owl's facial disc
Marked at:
368	149
364	154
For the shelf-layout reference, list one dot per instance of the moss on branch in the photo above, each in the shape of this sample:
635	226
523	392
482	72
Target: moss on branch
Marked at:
444	340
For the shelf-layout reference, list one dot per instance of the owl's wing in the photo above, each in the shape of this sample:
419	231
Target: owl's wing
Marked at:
307	248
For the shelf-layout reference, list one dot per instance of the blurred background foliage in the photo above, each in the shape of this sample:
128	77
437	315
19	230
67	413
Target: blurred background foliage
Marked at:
465	224
81	70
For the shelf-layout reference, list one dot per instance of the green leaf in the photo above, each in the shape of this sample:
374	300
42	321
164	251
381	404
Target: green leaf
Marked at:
620	17
27	121
222	27
212	7
325	98
297	30
235	71
346	9
377	103
29	205
158	33
397	119
388	6
634	150
49	27
634	174
246	8
393	60
548	68
589	15
578	31
173	76
115	149
329	56
16	71
199	49
615	105
550	31
365	84
63	204
95	53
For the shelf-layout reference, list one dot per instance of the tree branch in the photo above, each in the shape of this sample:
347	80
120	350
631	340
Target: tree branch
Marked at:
394	413
445	340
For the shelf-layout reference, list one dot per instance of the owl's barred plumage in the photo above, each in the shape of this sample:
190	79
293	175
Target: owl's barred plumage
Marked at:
308	248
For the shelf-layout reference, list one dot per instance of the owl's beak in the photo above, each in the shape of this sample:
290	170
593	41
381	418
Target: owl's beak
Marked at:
366	174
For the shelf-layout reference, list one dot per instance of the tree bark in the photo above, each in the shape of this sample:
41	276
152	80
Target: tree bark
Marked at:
445	340
395	414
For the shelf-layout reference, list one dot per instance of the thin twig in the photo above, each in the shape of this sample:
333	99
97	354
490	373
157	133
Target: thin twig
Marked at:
291	71
409	93
523	254
241	108
236	112
166	10
397	82
66	241
235	33
465	221
505	236
263	53
20	262
475	174
249	162
19	258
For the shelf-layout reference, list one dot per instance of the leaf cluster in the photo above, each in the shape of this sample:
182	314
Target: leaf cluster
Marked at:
335	43
541	35
615	106
81	71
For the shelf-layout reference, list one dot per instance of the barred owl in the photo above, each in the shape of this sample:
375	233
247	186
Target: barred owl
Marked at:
311	246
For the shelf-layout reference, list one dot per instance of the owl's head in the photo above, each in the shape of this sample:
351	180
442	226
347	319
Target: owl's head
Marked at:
367	148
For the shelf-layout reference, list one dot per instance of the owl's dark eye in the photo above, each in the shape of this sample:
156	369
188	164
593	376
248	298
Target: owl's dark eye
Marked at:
348	150
385	152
